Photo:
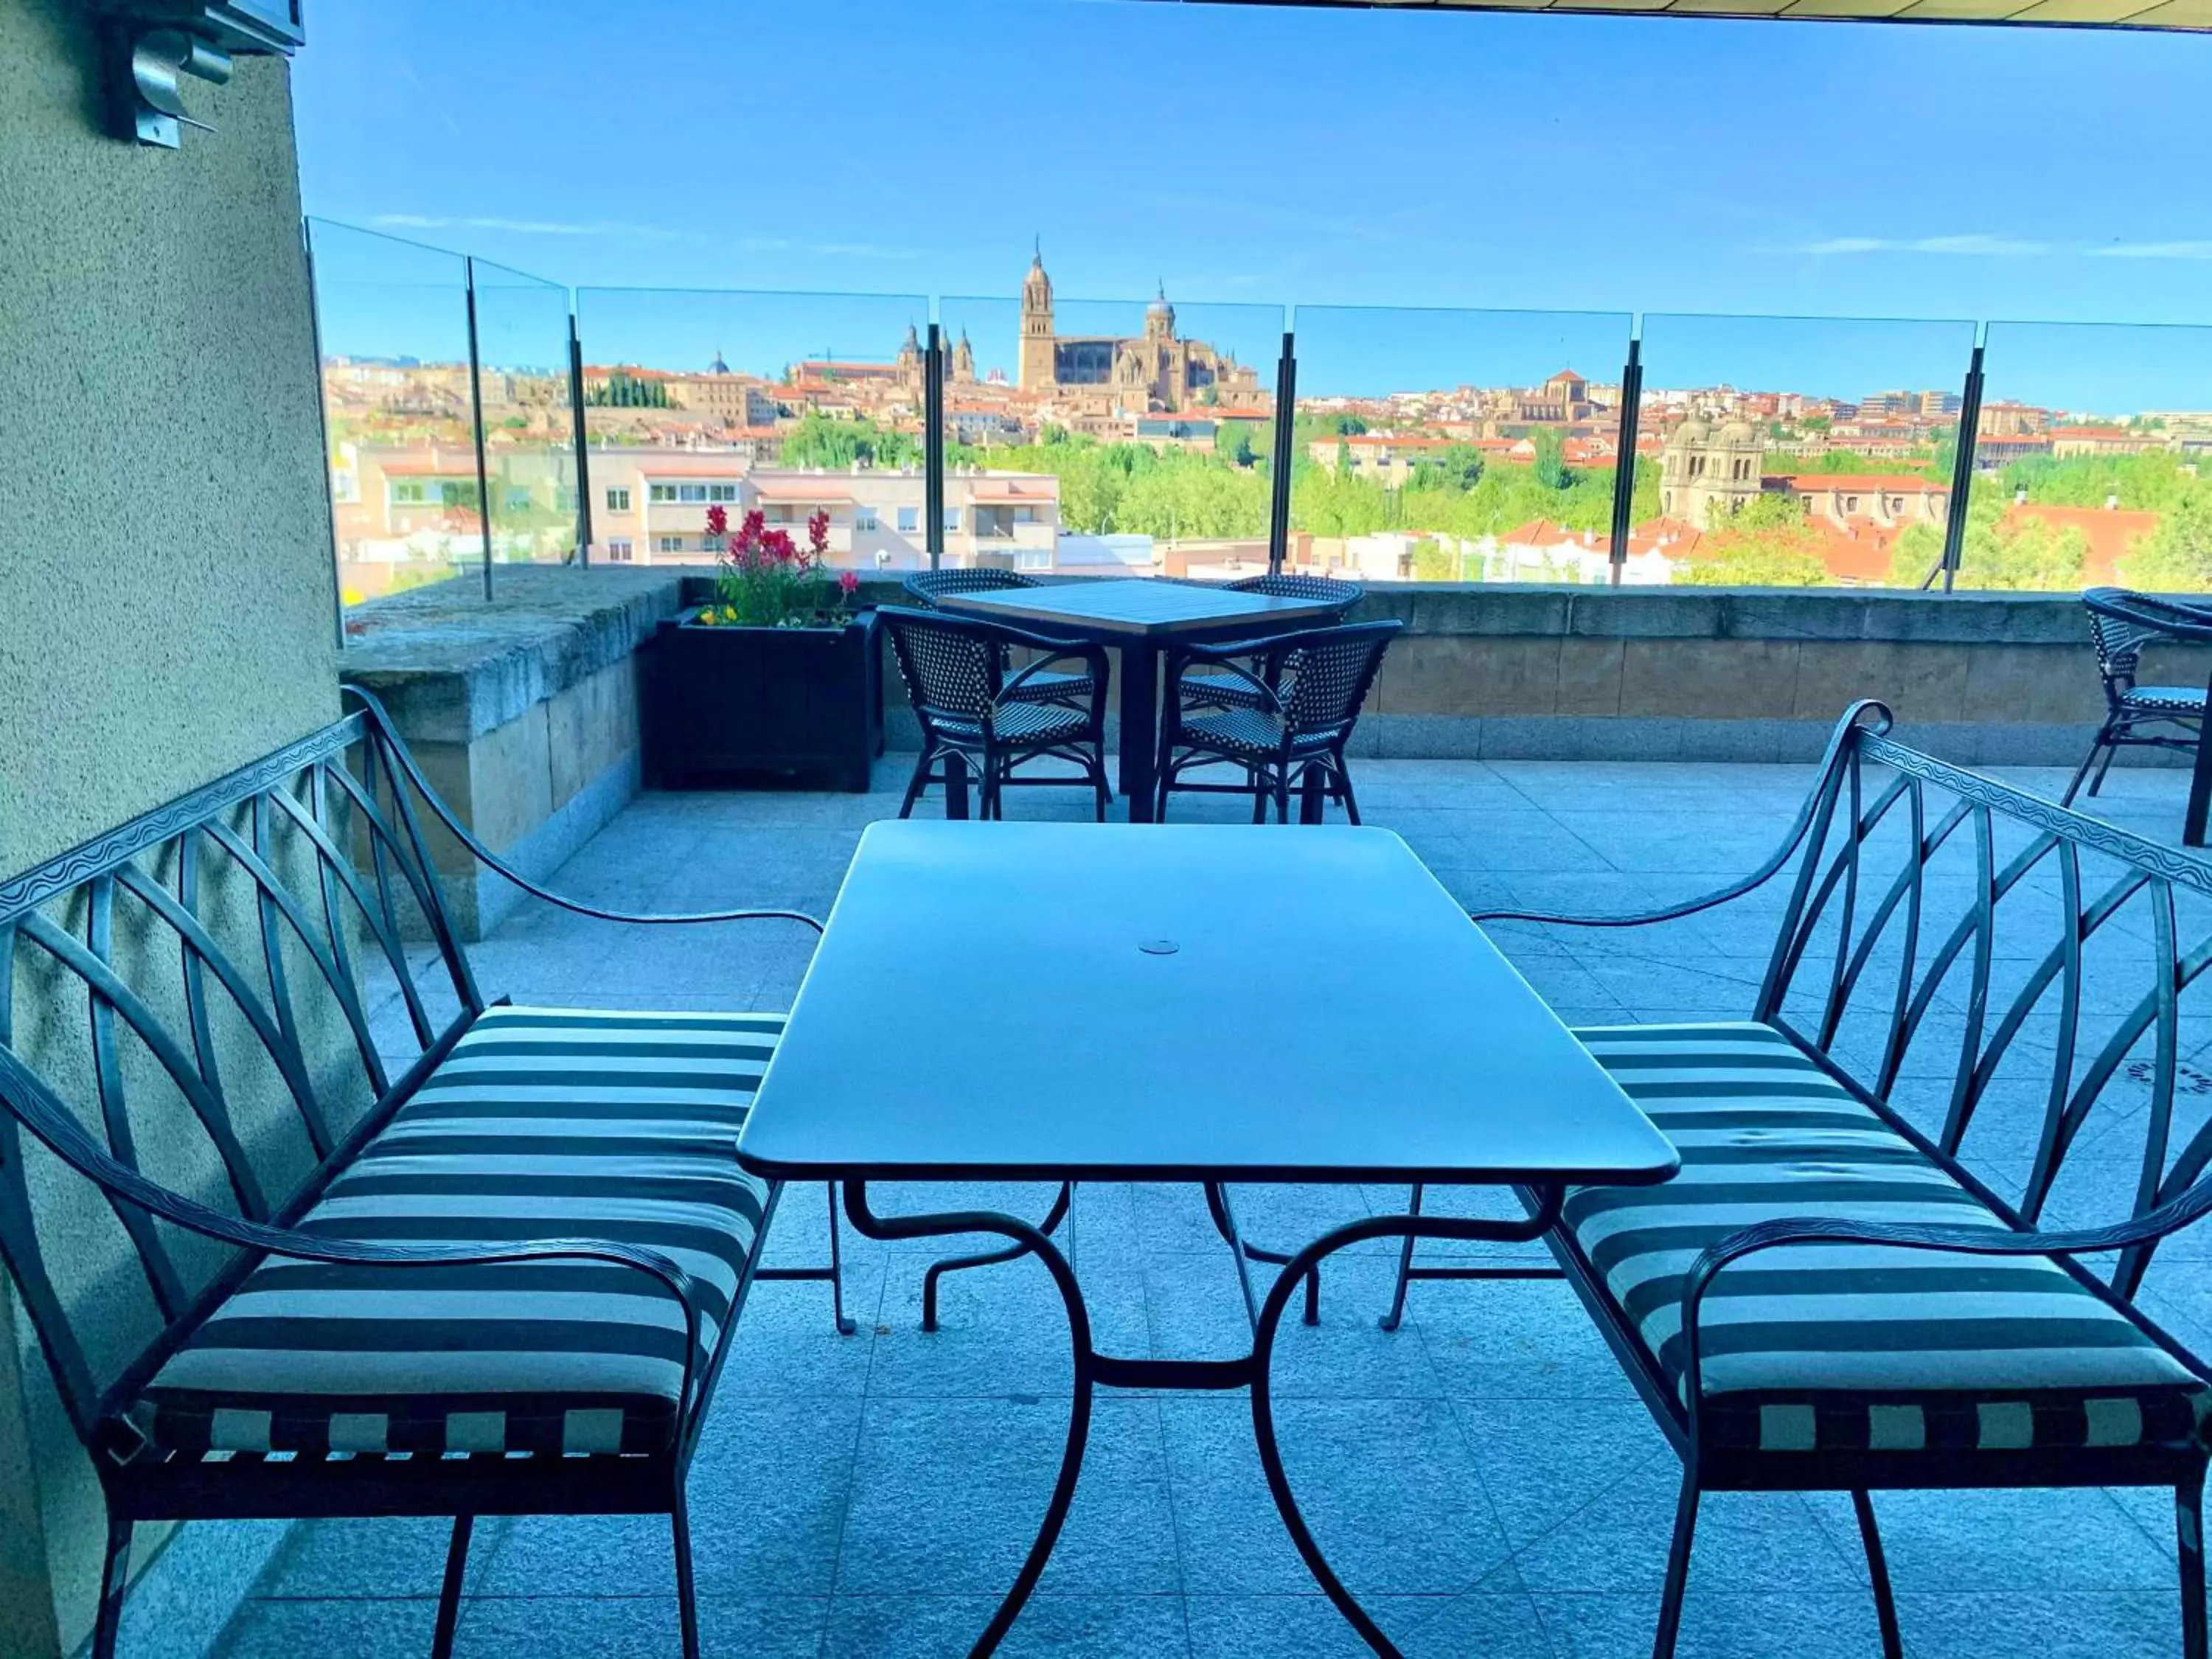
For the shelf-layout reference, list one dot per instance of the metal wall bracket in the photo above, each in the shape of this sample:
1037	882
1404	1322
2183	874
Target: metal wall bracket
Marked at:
160	59
157	43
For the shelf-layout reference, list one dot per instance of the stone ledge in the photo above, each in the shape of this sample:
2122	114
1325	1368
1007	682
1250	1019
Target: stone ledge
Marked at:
451	667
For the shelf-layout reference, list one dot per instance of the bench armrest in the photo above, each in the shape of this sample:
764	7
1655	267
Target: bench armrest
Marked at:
396	749
2190	1207
37	1108
1866	712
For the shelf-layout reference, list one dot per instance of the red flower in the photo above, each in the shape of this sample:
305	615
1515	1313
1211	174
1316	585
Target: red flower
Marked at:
817	531
718	520
848	582
778	544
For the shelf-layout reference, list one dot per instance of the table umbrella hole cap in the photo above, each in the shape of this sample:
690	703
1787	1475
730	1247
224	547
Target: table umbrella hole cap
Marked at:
1159	947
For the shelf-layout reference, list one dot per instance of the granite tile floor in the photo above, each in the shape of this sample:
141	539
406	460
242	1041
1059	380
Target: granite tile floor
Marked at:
1483	1478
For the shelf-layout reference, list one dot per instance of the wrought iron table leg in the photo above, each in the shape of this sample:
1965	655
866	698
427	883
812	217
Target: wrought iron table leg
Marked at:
2200	783
1217	1205
953	1264
1545	1217
1031	1241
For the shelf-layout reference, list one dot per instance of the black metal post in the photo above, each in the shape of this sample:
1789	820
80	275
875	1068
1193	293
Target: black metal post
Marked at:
1278	505
476	417
932	447
1962	468
323	426
583	446
1624	473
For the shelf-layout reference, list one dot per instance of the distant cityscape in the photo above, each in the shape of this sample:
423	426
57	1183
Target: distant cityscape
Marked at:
1150	452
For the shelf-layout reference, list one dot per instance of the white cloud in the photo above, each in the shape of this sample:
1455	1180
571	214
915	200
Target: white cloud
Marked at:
824	250
2152	250
1976	244
521	227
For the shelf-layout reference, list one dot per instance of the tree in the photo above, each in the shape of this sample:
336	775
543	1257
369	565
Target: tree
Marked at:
2177	556
819	441
1551	466
1757	561
2002	549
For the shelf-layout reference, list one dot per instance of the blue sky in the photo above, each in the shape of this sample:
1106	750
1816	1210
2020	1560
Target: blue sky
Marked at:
1261	159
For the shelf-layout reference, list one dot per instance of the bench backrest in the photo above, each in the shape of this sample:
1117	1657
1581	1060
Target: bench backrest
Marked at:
228	992
2012	978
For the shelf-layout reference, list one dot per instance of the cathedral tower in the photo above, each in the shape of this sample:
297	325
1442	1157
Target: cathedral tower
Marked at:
1037	372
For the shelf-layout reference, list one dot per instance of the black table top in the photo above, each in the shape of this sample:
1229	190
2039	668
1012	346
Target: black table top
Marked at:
1169	1002
1139	606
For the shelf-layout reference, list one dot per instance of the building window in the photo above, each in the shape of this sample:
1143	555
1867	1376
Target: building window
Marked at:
564	498
1032	558
1850	504
864	518
690	494
517	500
618	500
669	544
952	519
619	550
910	519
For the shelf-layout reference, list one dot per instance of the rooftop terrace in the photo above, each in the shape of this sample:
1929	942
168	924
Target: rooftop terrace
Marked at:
1485	1478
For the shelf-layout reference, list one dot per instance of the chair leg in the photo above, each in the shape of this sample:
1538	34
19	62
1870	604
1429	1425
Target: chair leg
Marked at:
1259	782
2189	1529
1678	1569
843	1321
1885	1602
2111	752
1283	796
1344	778
916	785
687	1596
1391	1321
114	1579
449	1593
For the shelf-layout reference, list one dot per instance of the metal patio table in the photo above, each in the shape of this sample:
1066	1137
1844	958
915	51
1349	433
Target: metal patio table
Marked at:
1138	616
1077	962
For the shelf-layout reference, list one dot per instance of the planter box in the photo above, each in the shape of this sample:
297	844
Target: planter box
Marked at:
722	706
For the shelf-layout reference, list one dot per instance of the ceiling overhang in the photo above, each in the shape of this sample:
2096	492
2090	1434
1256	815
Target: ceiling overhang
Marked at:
2191	14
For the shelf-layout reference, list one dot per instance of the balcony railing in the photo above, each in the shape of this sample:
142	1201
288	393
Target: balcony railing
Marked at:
478	415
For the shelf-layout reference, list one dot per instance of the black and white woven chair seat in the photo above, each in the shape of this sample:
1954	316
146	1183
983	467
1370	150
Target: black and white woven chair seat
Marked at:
2164	699
541	1123
1253	732
1025	725
1850	1348
1047	685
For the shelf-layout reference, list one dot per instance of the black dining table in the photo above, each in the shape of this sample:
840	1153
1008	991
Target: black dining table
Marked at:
1037	1001
1137	617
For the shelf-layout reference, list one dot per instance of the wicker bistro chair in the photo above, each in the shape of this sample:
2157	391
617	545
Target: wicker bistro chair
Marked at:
1223	691
924	587
1309	689
2120	624
971	709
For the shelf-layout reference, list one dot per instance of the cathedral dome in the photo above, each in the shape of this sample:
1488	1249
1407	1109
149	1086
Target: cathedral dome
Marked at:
1692	431
1160	315
1738	433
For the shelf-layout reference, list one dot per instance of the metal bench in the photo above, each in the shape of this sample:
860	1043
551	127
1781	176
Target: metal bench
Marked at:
495	1275
1874	1271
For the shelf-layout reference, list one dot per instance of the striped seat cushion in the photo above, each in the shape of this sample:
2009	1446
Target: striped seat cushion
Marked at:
1849	1347
541	1124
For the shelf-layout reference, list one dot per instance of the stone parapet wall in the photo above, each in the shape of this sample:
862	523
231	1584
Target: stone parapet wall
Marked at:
523	711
